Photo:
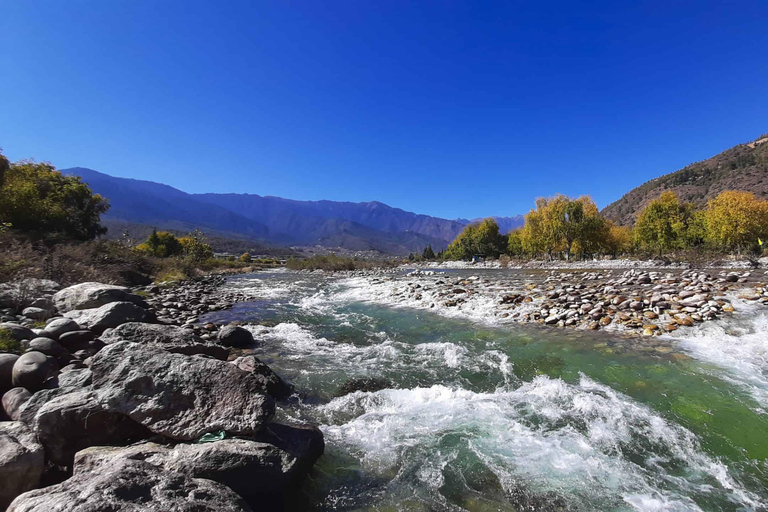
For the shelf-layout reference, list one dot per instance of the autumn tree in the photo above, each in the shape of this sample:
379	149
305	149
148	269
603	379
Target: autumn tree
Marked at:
246	257
195	247
515	243
161	244
735	221
665	223
618	240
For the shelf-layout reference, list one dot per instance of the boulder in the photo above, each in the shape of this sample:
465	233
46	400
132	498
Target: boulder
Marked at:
66	420
110	315
58	326
235	336
262	473
36	313
131	486
50	348
21	461
16	331
13	400
93	295
272	383
76	340
32	369
168	337
21	293
181	397
6	371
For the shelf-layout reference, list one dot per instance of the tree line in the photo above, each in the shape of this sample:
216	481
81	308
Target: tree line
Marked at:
559	226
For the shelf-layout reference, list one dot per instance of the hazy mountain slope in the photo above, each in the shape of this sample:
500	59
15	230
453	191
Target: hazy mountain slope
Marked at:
272	219
743	167
146	202
280	214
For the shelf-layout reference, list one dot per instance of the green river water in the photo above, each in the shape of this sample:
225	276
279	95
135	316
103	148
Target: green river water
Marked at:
481	417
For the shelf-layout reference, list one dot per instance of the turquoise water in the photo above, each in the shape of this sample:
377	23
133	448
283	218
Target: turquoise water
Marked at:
476	416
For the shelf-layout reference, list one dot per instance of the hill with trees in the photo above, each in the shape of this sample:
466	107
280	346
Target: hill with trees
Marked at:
743	167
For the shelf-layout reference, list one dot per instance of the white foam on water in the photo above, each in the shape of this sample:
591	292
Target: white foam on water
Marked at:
556	437
738	344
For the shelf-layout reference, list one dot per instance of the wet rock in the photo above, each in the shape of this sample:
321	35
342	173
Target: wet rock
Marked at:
131	486
93	295
32	369
111	315
179	396
235	336
365	384
168	337
21	461
272	383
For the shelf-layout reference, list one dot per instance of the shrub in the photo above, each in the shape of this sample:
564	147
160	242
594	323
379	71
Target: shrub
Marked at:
8	343
246	258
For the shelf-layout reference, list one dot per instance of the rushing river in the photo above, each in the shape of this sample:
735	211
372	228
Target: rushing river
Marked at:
481	417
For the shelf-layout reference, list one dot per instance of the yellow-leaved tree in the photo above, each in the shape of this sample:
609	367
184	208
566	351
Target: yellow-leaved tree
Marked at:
666	223
736	221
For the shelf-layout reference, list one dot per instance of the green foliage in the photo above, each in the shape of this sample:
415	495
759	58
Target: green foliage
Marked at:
515	243
8	343
429	253
195	247
161	245
36	198
246	257
666	223
477	239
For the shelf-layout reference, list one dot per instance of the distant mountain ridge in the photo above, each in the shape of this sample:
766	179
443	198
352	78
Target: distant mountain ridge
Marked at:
355	226
742	167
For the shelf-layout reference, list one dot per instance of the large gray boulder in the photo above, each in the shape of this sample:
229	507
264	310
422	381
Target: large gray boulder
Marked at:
32	369
93	295
235	336
13	400
275	386
110	315
262	473
131	486
6	371
21	461
181	397
67	420
168	337
22	293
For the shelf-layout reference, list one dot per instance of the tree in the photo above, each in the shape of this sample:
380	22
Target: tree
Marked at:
735	221
38	199
4	168
477	239
618	241
195	247
515	243
429	253
664	223
161	244
246	257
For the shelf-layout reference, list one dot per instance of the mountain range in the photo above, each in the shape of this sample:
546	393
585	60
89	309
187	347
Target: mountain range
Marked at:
353	226
742	167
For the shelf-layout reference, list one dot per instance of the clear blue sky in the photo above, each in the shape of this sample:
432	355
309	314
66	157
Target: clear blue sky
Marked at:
455	109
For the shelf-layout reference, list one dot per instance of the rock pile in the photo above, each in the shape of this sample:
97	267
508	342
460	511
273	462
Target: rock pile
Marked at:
649	302
106	401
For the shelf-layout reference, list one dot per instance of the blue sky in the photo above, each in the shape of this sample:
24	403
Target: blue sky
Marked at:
455	109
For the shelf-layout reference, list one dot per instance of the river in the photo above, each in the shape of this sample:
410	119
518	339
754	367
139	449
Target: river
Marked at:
476	415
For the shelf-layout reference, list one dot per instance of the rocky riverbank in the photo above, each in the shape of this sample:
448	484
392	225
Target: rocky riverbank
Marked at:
115	400
646	302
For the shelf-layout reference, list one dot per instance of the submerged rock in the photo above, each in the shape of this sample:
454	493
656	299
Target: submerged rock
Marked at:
366	384
179	396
